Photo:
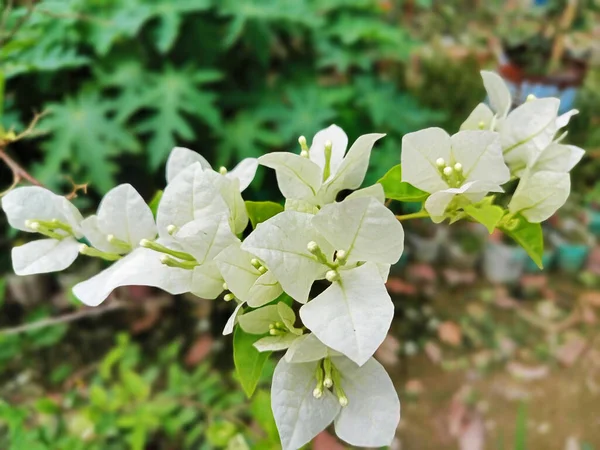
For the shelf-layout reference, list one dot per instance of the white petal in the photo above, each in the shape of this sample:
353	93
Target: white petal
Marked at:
297	177
558	158
437	202
180	158
207	281
275	343
373	412
480	154
44	255
298	415
353	315
96	237
376	191
563	120
480	118
540	194
142	267
258	321
352	170
37	203
307	348
230	191
364	228
206	237
124	214
281	243
189	196
232	320
288	317
498	92
339	141
384	271
528	130
238	273
265	290
302	206
244	172
420	151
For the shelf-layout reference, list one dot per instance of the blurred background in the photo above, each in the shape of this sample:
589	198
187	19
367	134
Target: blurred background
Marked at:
486	351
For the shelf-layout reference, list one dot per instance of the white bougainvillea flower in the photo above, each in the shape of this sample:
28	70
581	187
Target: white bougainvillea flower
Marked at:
524	132
343	243
276	320
246	278
558	158
540	194
303	405
184	200
181	158
122	221
34	209
320	172
465	167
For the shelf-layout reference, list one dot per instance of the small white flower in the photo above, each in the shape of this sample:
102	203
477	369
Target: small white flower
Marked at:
181	158
34	209
371	410
432	157
320	177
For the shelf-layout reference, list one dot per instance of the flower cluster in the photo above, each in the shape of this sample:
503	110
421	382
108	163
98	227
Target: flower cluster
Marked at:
309	278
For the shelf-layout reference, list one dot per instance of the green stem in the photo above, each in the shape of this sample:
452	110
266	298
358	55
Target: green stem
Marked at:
417	215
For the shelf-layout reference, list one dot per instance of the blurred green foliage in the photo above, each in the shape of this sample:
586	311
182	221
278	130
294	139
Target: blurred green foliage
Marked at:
126	80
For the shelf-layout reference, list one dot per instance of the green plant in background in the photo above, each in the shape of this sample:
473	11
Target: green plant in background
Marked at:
131	400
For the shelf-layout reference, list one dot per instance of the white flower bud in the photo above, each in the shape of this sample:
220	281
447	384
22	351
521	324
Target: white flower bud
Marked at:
171	229
163	258
341	255
440	162
83	248
225	287
262	270
328	383
318	393
35	225
302	141
110	238
332	276
481	125
448	171
458	167
343	401
312	247
531	97
304	154
223	170
228	297
145	243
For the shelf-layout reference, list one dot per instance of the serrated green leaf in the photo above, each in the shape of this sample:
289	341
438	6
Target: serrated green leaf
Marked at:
486	214
262	211
399	190
248	361
528	235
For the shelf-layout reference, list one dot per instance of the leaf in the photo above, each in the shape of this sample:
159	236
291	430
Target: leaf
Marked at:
528	235
399	190
248	361
155	202
170	15
262	211
83	135
260	407
2	291
486	214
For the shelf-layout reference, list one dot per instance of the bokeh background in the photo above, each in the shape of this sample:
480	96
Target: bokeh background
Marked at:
486	351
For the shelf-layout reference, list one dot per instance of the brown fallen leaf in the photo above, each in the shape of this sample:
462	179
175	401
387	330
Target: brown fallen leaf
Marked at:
450	333
199	350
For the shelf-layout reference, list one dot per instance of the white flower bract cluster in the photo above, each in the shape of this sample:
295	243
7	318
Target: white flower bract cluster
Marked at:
340	248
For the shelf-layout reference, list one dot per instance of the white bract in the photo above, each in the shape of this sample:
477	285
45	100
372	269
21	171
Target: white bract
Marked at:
361	401
455	170
320	172
344	243
526	131
34	209
181	158
276	320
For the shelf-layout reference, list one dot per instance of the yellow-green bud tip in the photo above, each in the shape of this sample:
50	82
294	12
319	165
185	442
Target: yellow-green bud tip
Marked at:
531	97
481	125
171	229
341	254
343	401
223	170
273	332
317	393
262	269
83	248
304	154
302	141
458	167
145	243
440	162
228	297
448	171
328	145
34	225
332	276
225	287
255	262
110	237
328	383
164	258
312	247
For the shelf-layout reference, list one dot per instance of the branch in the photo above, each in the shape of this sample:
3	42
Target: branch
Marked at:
417	215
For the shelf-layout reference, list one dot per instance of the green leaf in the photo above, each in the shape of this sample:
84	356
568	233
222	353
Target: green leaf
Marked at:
521	428
528	235
84	135
47	406
155	202
220	432
248	361
486	214
262	413
396	189
170	16
262	211
2	291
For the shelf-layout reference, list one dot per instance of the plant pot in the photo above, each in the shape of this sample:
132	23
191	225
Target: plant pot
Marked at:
547	260
570	258
503	263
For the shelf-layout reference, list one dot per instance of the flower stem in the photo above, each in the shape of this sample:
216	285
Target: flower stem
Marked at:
417	215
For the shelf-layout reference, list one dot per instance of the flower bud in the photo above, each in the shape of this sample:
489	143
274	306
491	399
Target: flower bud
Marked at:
35	226
228	297
145	243
255	263
440	162
262	270
317	393
223	170
312	247
341	256
111	238
343	401
458	167
302	142
328	383
332	276
481	125
531	97
225	287
448	171
171	229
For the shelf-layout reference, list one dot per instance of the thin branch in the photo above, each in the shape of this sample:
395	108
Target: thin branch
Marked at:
417	215
67	318
18	172
29	131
